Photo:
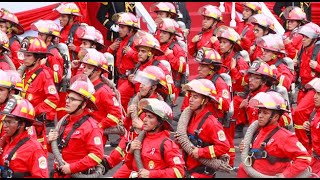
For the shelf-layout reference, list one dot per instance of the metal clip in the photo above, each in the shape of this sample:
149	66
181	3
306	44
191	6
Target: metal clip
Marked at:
248	160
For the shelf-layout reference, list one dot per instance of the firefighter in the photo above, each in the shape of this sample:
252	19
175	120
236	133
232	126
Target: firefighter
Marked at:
10	25
312	125
125	54
22	156
309	69
245	28
204	130
274	151
69	12
161	157
38	85
4	49
295	18
81	146
109	113
273	52
211	17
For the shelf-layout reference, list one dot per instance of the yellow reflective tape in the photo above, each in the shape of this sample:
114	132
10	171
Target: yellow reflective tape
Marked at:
232	150
61	109
55	77
305	157
243	82
95	158
113	118
170	89
213	155
298	126
51	104
120	151
220	103
40	140
285	119
281	80
180	66
177	172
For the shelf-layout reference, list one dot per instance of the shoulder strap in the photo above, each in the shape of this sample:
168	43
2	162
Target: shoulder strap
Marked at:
280	61
315	52
162	147
20	143
155	62
172	44
130	41
312	115
205	117
98	86
72	31
215	78
12	39
271	134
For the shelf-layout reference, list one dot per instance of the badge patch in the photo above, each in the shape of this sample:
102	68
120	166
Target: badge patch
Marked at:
182	59
176	160
42	162
225	94
151	165
97	140
30	130
300	146
29	97
20	55
52	89
56	67
115	102
221	135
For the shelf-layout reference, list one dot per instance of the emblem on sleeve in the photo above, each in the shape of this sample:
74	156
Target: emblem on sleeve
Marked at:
97	140
221	135
52	89
42	162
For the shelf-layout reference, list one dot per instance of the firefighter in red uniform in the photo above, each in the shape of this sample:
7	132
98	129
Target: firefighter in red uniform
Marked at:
10	25
295	17
211	17
153	82
263	25
312	125
209	140
4	49
69	12
161	157
274	151
245	28
38	85
109	113
22	156
81	147
309	69
173	52
125	53
236	66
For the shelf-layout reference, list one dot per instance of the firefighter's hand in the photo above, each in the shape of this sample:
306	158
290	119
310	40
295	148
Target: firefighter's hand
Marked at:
53	135
115	45
313	64
143	173
233	63
244	103
72	47
295	62
131	109
43	61
195	153
137	123
126	49
213	39
306	125
135	145
196	38
252	49
75	64
168	51
241	146
65	168
130	77
186	32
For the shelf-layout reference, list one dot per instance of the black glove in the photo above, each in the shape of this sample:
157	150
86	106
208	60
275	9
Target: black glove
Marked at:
106	165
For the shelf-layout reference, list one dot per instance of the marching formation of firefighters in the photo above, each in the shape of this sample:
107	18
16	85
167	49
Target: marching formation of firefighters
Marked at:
60	94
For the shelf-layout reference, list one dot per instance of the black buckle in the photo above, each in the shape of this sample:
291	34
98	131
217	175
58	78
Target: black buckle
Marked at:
61	144
209	172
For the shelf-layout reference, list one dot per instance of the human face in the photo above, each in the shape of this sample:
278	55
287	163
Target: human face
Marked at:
86	44
88	69
258	32
246	13
203	70
3	27
264	115
291	24
267	55
123	30
73	100
142	54
225	45
28	59
10	125
164	37
306	41
150	121
42	36
255	81
3	94
207	22
64	18
162	14
316	99
195	100
144	90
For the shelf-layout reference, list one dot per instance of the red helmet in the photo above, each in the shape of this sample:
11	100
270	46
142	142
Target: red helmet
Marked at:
169	25
99	39
268	101
6	16
211	11
230	34
165	7
15	79
4	41
261	68
81	85
294	13
90	33
264	21
208	56
5	80
95	58
272	42
127	19
314	84
33	45
47	27
19	107
254	6
159	108
144	39
202	86
311	30
68	8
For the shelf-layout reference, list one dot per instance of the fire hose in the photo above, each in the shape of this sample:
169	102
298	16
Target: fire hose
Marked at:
9	61
221	163
245	157
99	169
137	152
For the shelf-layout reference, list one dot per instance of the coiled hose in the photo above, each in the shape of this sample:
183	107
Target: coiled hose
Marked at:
244	156
137	152
99	169
221	163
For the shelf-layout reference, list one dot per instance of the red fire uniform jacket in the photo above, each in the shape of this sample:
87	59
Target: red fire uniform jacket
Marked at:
294	46
283	144
14	48
315	137
248	37
30	158
4	65
55	64
64	33
85	148
169	166
204	42
305	70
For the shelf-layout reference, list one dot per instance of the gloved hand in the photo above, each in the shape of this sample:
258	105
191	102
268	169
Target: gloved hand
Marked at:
106	165
114	28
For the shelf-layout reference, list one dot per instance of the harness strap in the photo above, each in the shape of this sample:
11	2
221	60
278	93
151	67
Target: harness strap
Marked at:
33	77
98	86
19	144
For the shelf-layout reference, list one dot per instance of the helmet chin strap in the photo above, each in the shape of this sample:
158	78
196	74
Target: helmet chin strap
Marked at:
149	93
76	110
270	118
33	63
200	106
92	72
157	126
